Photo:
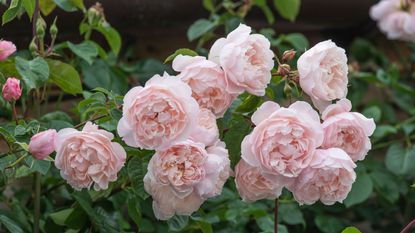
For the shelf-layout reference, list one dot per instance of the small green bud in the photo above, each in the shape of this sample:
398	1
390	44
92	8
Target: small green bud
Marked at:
33	47
53	30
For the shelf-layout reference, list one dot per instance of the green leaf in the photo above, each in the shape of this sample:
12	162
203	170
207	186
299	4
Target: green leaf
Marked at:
233	138
384	130
361	190
46	6
85	50
249	104
351	230
29	6
183	51
41	166
205	227
400	161
134	212
199	28
137	169
78	3
288	9
291	214
66	5
34	73
297	40
12	11
60	217
112	36
177	223
7	161
65	77
266	224
266	10
385	185
328	224
10	224
208	4
373	112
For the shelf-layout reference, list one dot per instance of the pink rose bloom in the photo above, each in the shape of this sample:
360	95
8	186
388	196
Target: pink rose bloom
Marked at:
206	131
253	185
246	59
88	157
207	81
159	114
284	139
347	130
395	19
182	177
43	144
323	73
7	48
11	89
329	178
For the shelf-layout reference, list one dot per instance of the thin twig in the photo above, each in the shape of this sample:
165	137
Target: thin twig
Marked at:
408	227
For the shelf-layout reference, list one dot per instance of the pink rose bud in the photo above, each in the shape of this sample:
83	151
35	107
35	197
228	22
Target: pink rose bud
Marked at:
6	49
288	55
11	90
43	144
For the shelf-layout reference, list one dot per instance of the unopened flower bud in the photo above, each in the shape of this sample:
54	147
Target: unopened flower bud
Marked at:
283	70
11	90
288	55
53	30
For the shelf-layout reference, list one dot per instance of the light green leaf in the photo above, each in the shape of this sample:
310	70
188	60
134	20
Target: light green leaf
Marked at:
208	4
65	77
12	11
199	28
361	190
351	230
10	224
183	51
297	40
66	5
400	161
288	9
60	217
29	6
85	50
78	3
34	73
46	6
112	36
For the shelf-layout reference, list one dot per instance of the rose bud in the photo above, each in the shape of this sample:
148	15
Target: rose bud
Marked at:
288	55
6	49
43	144
11	90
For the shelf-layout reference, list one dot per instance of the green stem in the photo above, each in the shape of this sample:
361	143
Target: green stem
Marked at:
17	161
276	216
15	112
37	203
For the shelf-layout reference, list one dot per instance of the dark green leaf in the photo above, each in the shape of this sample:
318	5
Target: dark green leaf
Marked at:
400	160
10	224
66	5
85	50
60	217
288	9
177	223
34	73
266	10
199	28
233	137
65	77
373	112
137	169
183	51
297	40
328	224
291	214
41	166
385	185
361	190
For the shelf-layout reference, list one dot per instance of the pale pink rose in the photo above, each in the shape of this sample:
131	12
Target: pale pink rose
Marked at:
182	177
246	59
206	131
284	139
6	49
347	130
88	157
323	73
159	114
43	144
394	20
11	89
207	81
253	185
329	178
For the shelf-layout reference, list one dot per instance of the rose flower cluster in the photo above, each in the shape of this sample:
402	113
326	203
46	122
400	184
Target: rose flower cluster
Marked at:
311	153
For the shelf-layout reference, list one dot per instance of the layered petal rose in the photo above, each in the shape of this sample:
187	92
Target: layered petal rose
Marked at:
207	81
43	144
329	178
284	139
323	73
7	48
246	59
347	130
181	177
88	157
253	185
206	131
396	18
159	114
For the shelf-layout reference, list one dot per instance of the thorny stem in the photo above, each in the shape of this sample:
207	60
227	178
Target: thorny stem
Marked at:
408	227
276	216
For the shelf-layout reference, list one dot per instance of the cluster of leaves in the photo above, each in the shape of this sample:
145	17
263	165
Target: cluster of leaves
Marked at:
382	197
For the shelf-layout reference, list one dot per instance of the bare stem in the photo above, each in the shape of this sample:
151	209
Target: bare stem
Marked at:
15	112
37	203
408	227
276	216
